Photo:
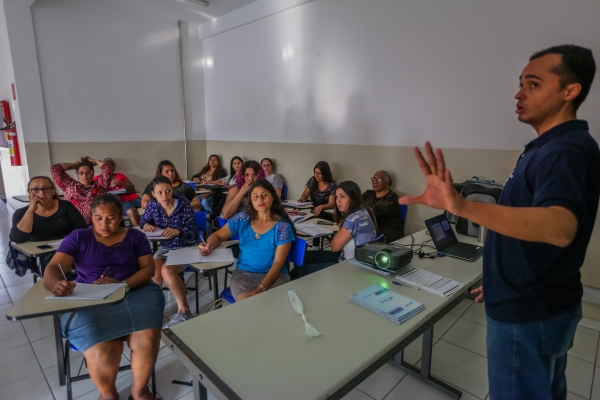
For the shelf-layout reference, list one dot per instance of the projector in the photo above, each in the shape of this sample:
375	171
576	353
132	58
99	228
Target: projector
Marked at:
384	256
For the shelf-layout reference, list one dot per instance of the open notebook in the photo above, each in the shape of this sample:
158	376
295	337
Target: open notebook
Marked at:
89	291
313	230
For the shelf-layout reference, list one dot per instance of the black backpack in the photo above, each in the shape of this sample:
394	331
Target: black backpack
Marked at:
475	190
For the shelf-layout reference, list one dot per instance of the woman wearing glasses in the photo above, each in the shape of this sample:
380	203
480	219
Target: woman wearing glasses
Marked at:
266	235
81	192
384	204
275	179
46	217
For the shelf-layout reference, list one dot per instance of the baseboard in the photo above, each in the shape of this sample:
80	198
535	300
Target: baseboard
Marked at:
591	295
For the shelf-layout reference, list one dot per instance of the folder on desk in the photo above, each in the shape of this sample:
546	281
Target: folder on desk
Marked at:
297	203
389	304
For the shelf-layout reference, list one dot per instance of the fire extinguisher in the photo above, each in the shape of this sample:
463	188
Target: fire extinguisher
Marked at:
10	130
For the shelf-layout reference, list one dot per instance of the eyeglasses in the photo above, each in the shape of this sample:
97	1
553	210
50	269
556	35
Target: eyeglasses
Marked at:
44	189
378	180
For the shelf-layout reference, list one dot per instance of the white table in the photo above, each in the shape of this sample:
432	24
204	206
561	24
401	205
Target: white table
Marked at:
31	249
212	269
269	357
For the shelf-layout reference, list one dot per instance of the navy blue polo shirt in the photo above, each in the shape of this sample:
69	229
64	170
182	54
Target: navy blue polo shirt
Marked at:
527	281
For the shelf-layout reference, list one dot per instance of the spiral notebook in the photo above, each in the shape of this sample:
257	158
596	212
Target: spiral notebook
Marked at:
389	304
89	291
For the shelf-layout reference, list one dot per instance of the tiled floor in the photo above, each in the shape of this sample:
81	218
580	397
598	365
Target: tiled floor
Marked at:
459	355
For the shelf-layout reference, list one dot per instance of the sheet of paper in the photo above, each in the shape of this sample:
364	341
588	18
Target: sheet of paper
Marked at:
190	255
117	191
313	230
155	234
297	218
218	256
89	291
429	281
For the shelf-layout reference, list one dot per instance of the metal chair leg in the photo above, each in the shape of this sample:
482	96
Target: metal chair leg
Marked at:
68	371
197	292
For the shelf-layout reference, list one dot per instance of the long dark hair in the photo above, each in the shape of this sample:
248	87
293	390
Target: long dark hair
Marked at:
160	180
277	211
323	166
356	202
84	163
206	168
231	170
239	177
167	163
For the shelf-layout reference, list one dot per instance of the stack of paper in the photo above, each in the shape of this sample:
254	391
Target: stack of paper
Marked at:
191	255
392	305
117	191
89	291
431	282
156	234
297	203
313	230
296	219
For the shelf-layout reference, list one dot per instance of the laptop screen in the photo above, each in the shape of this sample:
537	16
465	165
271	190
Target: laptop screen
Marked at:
441	232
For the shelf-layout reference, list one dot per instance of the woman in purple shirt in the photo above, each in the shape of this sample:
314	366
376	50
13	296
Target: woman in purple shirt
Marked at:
108	253
176	217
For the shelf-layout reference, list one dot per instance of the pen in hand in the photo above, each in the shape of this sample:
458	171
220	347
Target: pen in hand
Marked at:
62	271
105	273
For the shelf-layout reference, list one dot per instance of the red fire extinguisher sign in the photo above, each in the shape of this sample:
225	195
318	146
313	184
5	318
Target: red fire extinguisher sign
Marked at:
10	130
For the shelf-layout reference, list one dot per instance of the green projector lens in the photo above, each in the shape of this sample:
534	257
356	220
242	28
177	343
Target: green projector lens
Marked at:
382	260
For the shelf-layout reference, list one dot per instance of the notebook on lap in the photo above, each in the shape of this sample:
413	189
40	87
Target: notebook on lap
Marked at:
445	240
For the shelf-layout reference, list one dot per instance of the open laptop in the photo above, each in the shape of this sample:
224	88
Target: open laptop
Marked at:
445	240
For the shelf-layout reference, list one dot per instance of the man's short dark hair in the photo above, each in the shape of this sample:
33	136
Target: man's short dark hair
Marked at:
577	66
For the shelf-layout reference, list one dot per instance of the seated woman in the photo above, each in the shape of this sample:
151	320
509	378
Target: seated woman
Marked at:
130	201
266	235
212	173
108	253
384	204
357	227
176	217
320	189
237	200
166	168
275	179
81	192
228	182
46	217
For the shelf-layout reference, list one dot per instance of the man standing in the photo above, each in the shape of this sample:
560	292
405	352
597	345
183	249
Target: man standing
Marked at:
539	230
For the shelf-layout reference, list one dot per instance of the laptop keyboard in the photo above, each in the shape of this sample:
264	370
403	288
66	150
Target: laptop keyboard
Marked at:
463	250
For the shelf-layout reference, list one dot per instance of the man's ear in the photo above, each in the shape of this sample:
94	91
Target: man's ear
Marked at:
572	90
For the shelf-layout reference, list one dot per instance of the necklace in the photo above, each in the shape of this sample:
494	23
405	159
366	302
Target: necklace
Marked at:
256	235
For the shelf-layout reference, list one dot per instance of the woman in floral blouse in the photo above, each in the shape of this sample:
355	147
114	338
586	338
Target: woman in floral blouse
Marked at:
81	192
175	215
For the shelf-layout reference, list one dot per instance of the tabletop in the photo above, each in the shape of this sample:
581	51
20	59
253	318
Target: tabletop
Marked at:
315	221
33	304
216	265
269	356
31	248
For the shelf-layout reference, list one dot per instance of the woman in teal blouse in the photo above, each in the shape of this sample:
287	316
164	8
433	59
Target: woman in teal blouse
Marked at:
266	235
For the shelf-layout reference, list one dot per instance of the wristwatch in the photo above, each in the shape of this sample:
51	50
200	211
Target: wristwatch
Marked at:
264	289
126	287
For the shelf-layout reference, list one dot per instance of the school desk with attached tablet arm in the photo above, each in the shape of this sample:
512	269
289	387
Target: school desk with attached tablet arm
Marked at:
268	355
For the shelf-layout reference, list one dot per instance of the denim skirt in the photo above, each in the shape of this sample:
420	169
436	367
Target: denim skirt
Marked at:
142	308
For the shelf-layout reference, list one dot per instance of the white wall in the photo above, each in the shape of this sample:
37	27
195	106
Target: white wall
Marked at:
109	73
387	72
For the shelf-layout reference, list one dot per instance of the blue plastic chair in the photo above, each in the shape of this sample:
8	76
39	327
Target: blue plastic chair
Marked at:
295	256
200	217
284	192
403	212
222	222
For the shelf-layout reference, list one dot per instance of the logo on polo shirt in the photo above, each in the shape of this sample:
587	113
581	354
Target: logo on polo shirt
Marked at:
509	177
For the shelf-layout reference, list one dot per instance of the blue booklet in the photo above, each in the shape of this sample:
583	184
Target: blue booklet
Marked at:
392	305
